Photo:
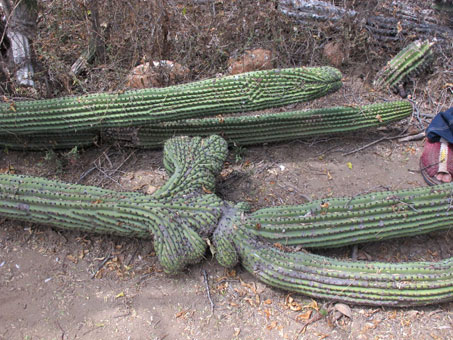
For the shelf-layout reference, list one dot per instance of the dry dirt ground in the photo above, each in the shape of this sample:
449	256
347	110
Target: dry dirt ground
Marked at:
69	285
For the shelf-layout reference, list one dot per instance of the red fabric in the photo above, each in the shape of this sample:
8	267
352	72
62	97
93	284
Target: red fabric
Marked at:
430	158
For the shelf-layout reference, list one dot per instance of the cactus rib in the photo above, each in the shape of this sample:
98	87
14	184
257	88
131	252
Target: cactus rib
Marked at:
231	94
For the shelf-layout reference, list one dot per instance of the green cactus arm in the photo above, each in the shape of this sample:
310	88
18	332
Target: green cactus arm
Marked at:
335	222
369	283
411	60
231	94
46	141
178	215
254	129
240	130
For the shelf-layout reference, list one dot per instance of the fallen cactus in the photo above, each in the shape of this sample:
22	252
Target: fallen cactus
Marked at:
183	213
411	61
231	94
239	129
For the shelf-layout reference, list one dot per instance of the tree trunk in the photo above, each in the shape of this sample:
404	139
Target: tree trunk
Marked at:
21	27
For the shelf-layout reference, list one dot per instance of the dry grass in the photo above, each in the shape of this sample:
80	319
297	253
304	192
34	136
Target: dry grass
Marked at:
202	35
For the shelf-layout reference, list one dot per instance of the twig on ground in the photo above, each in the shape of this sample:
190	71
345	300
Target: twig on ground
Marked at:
318	316
208	292
416	114
366	192
418	136
61	328
355	252
132	257
373	143
107	258
86	173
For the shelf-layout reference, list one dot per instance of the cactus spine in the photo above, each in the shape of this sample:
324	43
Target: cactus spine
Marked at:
182	213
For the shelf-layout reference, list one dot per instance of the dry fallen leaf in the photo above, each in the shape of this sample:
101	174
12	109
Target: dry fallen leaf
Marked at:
72	258
272	325
236	332
329	176
344	309
205	190
313	304
181	314
304	316
119	295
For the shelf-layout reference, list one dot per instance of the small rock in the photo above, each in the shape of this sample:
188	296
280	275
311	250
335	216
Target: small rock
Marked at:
335	53
156	74
251	60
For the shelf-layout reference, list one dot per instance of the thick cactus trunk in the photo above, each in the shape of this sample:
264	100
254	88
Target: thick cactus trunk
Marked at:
240	93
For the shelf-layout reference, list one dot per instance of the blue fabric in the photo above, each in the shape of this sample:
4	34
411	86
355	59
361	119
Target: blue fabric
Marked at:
441	126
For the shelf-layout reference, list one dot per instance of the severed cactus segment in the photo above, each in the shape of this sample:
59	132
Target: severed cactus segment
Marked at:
412	60
183	213
245	130
231	94
260	239
335	222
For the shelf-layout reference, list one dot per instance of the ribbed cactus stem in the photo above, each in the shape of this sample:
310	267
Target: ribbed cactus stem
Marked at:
335	222
231	94
411	60
254	129
240	130
369	283
357	282
178	215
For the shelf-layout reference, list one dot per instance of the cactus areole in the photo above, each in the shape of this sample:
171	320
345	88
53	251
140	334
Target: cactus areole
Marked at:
184	213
